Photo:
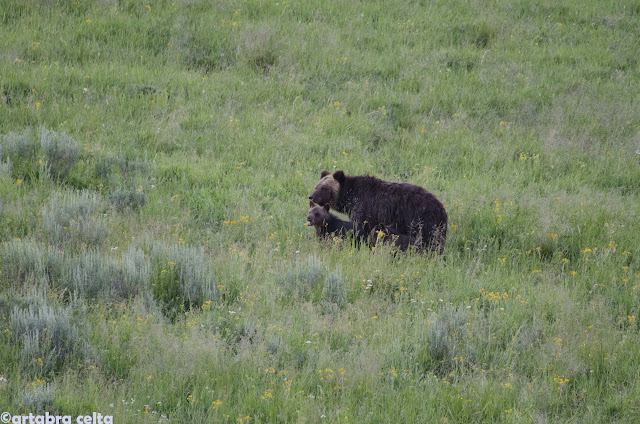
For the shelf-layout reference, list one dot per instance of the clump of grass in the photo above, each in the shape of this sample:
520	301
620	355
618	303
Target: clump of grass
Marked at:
258	49
47	337
478	34
38	397
132	199
205	49
70	218
60	151
180	277
95	276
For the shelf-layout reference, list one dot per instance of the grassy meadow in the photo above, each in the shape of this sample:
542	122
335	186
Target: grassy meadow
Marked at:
156	160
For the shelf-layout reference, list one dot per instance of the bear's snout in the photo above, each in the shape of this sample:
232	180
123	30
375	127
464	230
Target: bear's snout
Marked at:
311	197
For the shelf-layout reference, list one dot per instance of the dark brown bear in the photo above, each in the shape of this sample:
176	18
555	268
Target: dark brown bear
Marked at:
408	208
387	234
327	224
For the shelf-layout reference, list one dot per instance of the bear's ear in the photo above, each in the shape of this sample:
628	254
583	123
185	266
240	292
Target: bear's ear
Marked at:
339	176
324	173
311	204
326	207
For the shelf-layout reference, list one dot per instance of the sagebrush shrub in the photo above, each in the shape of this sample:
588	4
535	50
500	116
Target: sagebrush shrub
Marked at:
73	218
19	154
95	276
127	168
301	280
5	167
21	261
181	277
448	338
128	199
334	289
60	152
37	398
47	337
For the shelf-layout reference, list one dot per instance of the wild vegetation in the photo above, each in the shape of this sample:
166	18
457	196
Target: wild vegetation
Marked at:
155	166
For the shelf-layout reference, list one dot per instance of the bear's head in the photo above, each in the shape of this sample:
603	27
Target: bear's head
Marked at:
318	215
326	192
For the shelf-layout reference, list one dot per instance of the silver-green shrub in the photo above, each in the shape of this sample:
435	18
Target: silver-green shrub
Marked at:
301	280
5	167
128	199
73	218
334	294
181	276
17	144
19	154
37	398
449	337
47	337
60	152
22	260
309	275
95	276
25	262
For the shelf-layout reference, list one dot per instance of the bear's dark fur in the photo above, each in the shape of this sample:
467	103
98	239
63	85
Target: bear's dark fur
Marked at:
408	208
327	224
386	234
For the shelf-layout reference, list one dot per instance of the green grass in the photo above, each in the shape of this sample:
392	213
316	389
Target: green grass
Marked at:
155	164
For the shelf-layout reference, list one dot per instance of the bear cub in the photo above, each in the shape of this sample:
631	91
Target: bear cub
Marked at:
327	224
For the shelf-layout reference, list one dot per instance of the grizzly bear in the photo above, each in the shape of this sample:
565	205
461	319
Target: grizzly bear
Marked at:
408	208
387	234
327	224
